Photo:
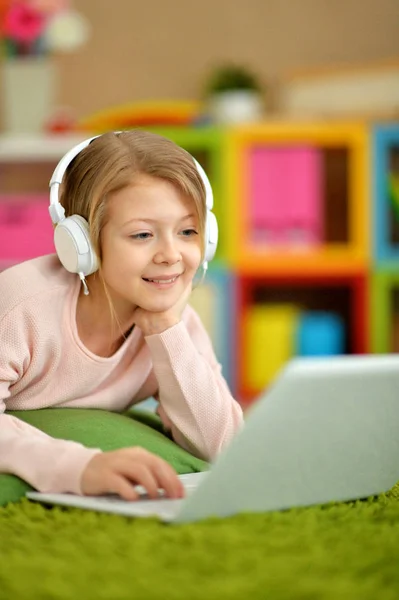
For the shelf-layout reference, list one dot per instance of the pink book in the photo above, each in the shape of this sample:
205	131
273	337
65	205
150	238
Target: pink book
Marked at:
304	203
267	195
286	195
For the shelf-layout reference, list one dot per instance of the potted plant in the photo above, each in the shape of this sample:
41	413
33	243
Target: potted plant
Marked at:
233	95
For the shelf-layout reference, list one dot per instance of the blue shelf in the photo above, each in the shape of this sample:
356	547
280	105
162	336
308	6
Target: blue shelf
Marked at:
384	138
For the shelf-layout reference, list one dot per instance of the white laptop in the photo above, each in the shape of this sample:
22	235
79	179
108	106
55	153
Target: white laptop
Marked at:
327	430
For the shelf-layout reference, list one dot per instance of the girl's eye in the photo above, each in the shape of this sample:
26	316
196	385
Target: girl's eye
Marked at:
144	235
189	232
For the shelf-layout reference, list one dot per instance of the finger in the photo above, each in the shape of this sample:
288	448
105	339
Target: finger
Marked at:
167	479
118	484
164	475
141	474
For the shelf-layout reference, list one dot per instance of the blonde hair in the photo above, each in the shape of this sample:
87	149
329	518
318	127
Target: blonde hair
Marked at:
112	161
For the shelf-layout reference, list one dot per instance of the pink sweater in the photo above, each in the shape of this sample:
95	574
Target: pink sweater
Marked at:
43	363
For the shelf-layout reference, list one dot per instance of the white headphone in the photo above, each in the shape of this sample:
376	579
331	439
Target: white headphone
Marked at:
71	234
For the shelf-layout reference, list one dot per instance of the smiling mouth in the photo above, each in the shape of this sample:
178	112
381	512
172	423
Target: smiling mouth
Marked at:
162	281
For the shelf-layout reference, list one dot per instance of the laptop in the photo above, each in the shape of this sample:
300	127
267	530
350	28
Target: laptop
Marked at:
326	430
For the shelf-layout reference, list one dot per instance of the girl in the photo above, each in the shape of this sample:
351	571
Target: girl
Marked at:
137	230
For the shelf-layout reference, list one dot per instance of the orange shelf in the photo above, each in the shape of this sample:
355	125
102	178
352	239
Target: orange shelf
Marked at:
345	256
326	260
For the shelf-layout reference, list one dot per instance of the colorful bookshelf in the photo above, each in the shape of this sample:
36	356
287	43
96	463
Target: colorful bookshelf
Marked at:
335	158
344	298
298	240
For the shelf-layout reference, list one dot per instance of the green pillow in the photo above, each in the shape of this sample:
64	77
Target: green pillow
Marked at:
101	429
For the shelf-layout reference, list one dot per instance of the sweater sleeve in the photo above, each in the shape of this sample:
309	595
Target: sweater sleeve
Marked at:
46	463
195	402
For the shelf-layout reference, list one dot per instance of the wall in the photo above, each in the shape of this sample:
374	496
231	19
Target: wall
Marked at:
157	49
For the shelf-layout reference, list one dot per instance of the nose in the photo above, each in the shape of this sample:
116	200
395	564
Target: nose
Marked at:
168	252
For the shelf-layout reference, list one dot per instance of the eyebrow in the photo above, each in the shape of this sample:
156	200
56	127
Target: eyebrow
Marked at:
143	220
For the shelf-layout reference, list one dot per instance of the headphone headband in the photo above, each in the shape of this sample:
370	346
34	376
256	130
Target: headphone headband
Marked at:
65	161
56	210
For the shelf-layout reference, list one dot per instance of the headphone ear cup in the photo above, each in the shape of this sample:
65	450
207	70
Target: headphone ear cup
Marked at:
211	236
73	246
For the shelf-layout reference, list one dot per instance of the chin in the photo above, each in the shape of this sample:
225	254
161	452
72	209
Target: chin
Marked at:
157	305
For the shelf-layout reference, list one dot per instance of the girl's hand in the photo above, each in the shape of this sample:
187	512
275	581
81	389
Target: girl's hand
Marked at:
118	471
157	322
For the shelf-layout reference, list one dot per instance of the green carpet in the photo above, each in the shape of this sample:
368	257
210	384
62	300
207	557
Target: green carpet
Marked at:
341	551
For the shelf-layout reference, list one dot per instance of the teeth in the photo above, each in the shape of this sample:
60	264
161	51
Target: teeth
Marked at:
162	280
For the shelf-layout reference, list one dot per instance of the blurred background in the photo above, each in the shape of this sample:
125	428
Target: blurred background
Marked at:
291	106
157	50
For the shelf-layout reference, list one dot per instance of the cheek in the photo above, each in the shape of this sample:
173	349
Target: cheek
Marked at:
194	260
196	256
116	254
199	257
115	264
